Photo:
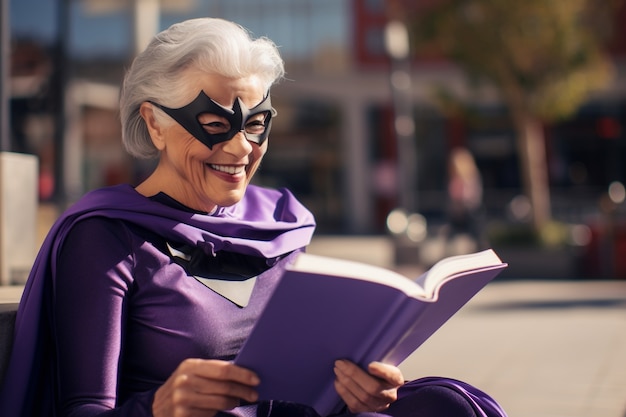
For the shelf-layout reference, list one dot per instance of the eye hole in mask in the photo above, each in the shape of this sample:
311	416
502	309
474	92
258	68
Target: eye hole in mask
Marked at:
221	123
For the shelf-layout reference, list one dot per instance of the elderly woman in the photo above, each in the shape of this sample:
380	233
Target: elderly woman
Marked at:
141	297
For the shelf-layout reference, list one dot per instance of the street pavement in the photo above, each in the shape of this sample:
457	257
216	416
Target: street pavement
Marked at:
541	348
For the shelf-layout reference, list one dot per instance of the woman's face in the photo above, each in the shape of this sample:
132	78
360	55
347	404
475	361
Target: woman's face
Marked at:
203	178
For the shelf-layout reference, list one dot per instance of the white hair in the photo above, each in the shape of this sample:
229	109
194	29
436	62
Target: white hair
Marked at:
210	45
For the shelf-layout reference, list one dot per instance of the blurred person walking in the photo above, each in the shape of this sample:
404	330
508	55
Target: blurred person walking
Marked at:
465	203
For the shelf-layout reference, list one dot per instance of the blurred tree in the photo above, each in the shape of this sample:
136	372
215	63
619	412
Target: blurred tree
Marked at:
543	56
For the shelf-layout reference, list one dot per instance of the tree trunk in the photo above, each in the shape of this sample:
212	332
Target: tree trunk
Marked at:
534	167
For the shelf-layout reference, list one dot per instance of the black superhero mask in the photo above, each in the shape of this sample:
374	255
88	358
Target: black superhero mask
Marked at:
240	119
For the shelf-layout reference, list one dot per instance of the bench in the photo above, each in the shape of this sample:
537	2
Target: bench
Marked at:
8	311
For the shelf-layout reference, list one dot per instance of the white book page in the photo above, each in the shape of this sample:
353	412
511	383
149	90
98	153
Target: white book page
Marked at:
424	286
356	270
454	265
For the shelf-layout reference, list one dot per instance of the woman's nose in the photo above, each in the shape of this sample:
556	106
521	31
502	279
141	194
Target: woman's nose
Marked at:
238	145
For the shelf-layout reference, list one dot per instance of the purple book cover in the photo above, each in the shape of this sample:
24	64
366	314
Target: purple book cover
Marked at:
314	318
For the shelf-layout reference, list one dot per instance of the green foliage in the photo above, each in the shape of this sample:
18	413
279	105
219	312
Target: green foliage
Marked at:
544	56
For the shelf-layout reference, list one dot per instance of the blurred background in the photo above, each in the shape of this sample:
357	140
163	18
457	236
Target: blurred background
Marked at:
413	129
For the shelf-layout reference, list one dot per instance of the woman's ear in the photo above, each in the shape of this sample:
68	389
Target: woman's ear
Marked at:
155	129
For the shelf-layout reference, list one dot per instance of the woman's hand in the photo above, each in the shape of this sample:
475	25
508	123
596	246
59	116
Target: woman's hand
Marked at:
201	387
363	391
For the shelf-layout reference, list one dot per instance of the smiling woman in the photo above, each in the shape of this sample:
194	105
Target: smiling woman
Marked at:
141	297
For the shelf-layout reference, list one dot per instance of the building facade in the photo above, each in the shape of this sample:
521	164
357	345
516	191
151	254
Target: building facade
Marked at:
334	142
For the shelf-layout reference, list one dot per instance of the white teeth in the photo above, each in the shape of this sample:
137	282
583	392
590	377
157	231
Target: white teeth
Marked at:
229	169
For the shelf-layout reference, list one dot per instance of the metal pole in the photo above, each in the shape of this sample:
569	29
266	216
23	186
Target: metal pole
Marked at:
60	85
397	45
5	93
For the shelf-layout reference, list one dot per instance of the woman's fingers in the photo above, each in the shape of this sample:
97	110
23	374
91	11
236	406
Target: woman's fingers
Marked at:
219	370
363	391
207	386
389	373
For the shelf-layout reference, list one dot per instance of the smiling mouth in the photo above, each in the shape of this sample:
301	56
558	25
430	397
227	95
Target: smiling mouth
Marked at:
228	169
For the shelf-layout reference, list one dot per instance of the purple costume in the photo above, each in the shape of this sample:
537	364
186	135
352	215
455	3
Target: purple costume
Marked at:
126	287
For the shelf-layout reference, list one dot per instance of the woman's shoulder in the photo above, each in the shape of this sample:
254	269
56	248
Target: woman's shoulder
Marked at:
97	230
107	233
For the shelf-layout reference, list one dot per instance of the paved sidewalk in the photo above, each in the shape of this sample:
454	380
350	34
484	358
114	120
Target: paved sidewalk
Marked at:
541	348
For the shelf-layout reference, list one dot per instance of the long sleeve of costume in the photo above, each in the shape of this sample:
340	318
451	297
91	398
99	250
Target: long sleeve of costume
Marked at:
90	306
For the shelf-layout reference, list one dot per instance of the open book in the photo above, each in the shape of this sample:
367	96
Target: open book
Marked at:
325	309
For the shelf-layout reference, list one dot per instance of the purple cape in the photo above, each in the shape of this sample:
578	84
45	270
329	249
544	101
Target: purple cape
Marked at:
265	222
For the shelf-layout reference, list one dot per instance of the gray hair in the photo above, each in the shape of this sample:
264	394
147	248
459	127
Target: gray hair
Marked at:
212	45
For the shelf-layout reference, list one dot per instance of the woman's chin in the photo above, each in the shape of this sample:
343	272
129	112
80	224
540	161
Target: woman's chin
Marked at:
230	198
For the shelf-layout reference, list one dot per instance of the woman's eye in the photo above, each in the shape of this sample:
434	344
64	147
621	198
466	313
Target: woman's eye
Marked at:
216	127
256	125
